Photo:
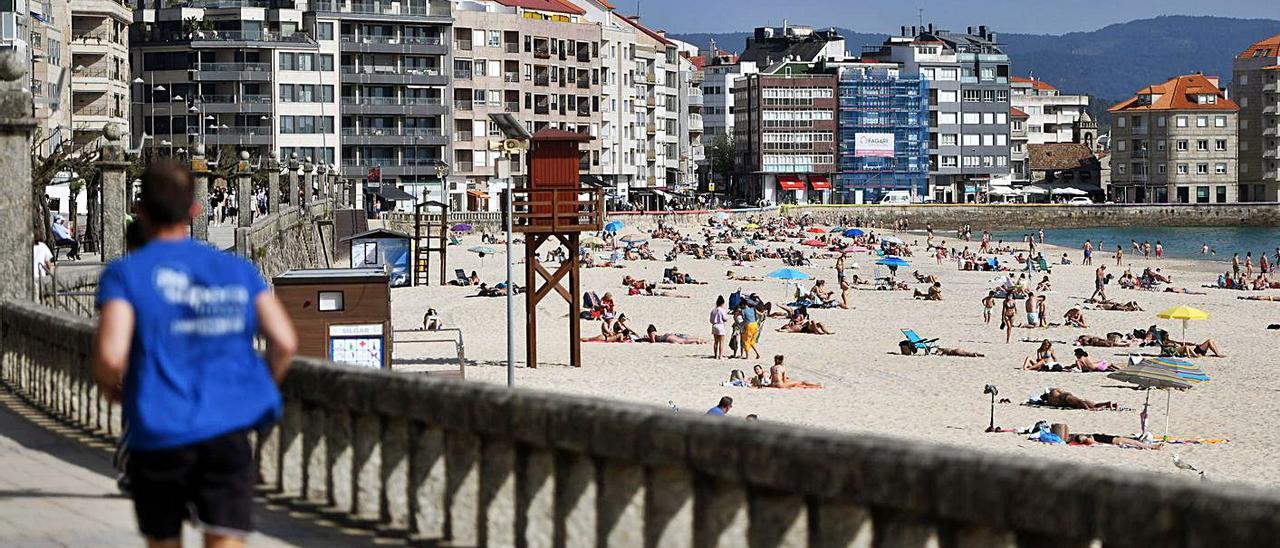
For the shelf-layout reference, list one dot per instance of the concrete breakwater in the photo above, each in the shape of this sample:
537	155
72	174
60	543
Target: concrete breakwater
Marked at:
1031	216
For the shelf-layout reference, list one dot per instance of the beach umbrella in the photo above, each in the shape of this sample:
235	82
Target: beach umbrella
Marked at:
461	227
751	226
893	262
1184	313
892	240
853	233
811	242
816	230
788	274
483	250
592	241
613	226
836	230
635	238
1166	374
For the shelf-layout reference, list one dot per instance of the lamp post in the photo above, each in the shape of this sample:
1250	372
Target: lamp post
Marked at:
514	130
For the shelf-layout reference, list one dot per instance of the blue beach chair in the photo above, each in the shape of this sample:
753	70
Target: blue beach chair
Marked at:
916	342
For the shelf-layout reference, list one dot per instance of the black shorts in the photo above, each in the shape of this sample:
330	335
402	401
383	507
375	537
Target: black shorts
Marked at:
210	482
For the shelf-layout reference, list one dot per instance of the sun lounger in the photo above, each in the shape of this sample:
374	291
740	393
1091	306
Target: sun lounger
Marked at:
919	343
453	240
460	277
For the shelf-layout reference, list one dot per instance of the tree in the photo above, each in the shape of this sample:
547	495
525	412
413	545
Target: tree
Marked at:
722	155
61	160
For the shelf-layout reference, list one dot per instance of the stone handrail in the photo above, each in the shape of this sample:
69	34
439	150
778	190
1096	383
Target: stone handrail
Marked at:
469	464
286	240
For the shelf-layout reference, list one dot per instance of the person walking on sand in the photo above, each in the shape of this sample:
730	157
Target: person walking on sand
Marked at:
1033	318
719	327
988	303
1099	284
175	344
1088	252
1008	312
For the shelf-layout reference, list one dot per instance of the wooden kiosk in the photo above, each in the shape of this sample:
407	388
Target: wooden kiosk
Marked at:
554	205
342	314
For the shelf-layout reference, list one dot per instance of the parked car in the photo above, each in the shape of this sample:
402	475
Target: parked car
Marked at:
1080	200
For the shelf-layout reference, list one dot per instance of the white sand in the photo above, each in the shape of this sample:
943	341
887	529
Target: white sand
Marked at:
869	387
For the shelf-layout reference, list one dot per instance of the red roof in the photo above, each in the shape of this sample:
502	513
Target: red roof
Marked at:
646	30
559	6
1018	113
1266	48
1176	94
1038	84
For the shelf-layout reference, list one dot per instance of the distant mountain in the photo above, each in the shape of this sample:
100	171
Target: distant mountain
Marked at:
1110	63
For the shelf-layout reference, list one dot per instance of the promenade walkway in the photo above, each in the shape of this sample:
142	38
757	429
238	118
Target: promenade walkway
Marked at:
58	489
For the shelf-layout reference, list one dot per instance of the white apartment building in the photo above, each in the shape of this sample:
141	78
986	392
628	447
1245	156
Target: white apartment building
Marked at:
1051	114
621	108
100	74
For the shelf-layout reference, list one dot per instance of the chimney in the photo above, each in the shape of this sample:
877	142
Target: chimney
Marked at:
930	28
904	31
992	37
968	30
982	31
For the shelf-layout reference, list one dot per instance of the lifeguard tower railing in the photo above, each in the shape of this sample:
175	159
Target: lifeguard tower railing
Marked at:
557	210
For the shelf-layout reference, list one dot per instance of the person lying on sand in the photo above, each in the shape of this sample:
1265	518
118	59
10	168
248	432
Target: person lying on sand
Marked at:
933	294
957	352
1086	364
1183	290
1106	439
652	336
921	278
800	324
1270	298
759	379
1131	306
1186	349
1111	340
1075	318
1057	397
741	278
778	377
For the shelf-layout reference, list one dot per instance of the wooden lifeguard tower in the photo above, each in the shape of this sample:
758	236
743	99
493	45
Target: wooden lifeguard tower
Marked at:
554	205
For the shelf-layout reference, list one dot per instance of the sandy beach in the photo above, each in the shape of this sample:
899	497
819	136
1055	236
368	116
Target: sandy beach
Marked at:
868	385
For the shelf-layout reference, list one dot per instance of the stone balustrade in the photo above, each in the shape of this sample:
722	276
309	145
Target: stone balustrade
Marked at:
468	464
288	239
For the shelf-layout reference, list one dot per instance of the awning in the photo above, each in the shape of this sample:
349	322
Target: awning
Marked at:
477	194
819	182
591	180
391	193
790	182
663	193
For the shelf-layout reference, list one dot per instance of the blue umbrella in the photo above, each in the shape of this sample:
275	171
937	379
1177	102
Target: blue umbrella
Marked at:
613	226
789	274
853	233
836	229
893	261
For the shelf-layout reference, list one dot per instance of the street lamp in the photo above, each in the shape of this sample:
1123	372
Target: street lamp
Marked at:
511	129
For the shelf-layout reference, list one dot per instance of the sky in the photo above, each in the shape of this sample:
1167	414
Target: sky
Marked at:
1020	16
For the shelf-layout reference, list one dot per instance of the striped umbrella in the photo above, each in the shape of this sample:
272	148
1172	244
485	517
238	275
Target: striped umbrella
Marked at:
1168	374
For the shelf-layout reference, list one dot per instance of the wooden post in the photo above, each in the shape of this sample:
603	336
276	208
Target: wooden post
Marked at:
532	241
575	303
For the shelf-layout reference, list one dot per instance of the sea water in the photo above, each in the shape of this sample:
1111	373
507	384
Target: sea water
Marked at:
1183	242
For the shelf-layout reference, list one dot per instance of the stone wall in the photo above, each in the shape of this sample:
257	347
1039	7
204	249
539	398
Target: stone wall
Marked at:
465	464
289	239
1024	216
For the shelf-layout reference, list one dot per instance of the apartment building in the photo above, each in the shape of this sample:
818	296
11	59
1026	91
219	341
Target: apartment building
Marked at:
1051	115
719	71
661	94
969	102
785	137
792	43
537	60
622	109
100	74
49	28
1256	87
883	122
1018	139
1175	142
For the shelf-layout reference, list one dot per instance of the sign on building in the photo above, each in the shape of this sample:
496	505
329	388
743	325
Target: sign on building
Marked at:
873	145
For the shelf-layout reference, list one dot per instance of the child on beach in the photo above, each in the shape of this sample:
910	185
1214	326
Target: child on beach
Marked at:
988	303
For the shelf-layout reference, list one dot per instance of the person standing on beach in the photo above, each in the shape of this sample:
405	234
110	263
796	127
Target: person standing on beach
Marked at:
1042	310
1042	235
1033	319
1159	250
1248	264
175	344
1088	252
988	303
1263	266
1099	284
1235	264
719	327
1008	311
1119	255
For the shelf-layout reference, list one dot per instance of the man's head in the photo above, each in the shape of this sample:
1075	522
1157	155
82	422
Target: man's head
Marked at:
168	196
777	359
726	403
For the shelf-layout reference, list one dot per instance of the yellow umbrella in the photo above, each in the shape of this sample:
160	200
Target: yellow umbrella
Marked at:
1184	313
751	226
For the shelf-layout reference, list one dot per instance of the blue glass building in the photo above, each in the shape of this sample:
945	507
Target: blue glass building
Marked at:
883	135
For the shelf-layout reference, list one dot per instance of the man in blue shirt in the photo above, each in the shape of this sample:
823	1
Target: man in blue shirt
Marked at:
175	345
722	409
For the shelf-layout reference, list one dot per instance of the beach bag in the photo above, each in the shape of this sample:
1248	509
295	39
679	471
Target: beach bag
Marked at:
735	299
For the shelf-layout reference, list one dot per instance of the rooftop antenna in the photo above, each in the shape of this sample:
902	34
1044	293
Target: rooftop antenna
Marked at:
920	16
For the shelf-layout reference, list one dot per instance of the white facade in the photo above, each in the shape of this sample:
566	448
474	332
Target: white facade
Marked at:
1051	114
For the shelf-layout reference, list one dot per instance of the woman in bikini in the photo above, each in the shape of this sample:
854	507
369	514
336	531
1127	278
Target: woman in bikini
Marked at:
1087	364
1197	350
1043	359
801	324
651	335
778	377
1057	397
1075	318
1008	311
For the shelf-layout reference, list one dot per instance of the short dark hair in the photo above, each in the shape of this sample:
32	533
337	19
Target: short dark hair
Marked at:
168	190
726	402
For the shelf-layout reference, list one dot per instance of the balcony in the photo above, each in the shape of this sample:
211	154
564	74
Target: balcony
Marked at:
542	80
511	106
231	72
461	74
392	10
695	123
584	110
1271	154
511	47
584	55
1270	131
651	129
218	104
651	102
220	38
376	136
1141	153
462	104
650	156
1271	87
584	83
394	75
1270	110
542	53
695	97
511	77
463	136
378	43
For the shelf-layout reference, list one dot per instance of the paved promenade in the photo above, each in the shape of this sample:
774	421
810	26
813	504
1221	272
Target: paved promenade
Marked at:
58	490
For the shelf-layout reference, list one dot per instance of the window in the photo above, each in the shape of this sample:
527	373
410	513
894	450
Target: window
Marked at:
946	96
324	31
1220	144
1202	145
1183	145
1220	169
948	139
970	140
287	60
1202	121
947	118
1180	121
948	161
972	118
1162	168
1122	146
1183	169
1202	169
972	95
1220	121
332	301
1160	145
1221	191
1161	121
1120	121
1120	168
1202	195
1002	118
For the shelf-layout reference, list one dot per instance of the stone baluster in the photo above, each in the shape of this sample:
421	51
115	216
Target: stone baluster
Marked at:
536	504
291	197
16	197
322	181
576	497
668	519
244	191
290	428
497	493
367	466
462	492
720	514
427	481
200	170
397	509
308	174
273	183
338	438
315	455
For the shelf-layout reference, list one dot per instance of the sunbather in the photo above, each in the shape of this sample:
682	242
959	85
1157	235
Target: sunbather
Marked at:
1057	397
1272	298
742	278
1106	439
778	377
957	352
800	324
1131	306
431	320
1043	360
1111	340
933	294
1075	318
651	335
759	379
1189	350
1087	364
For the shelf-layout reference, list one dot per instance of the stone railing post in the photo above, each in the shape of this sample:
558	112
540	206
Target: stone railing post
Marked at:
322	181
273	184
291	197
16	197
200	169
115	194
308	173
244	191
